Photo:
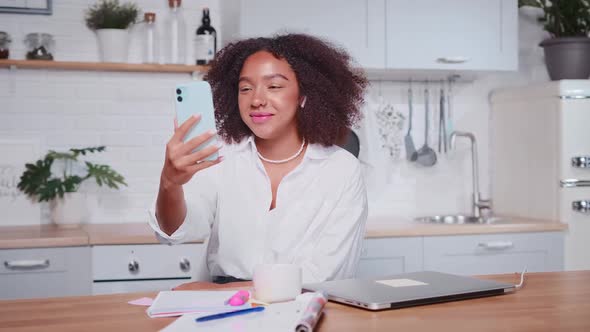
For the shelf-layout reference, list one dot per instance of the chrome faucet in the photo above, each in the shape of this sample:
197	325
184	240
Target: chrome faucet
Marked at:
478	204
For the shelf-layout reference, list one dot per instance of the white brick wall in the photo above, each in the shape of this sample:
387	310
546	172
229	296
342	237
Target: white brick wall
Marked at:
132	114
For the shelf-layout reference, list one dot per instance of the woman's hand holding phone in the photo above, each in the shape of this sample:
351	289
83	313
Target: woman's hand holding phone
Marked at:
183	159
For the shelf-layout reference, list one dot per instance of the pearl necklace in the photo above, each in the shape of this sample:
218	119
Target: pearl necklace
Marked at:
282	161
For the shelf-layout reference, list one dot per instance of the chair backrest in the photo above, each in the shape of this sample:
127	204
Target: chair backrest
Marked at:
351	144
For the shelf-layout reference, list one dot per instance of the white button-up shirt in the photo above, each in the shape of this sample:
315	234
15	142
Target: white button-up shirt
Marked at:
318	222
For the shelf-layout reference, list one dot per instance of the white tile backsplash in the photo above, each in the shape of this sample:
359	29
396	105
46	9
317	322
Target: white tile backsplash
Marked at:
132	114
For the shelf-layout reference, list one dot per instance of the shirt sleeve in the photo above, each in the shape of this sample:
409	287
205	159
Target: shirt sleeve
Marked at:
336	254
200	195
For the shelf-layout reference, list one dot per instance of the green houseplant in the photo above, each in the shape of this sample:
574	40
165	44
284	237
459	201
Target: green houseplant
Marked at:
567	51
111	20
39	183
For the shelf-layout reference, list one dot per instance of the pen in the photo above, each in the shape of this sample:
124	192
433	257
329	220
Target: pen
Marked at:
228	314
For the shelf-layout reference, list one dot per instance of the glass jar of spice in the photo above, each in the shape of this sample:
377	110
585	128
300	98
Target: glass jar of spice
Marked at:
39	46
4	43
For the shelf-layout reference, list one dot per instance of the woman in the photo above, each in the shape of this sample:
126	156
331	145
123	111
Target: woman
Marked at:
283	192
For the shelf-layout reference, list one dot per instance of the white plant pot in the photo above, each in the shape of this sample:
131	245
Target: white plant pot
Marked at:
113	44
70	210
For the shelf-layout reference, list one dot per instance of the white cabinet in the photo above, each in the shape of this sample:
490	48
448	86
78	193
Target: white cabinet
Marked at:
388	256
358	26
494	253
394	34
44	272
149	267
463	254
452	34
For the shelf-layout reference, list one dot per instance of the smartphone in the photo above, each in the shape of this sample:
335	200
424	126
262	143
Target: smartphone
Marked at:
196	98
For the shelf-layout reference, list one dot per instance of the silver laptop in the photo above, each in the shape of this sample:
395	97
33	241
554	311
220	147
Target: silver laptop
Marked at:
408	289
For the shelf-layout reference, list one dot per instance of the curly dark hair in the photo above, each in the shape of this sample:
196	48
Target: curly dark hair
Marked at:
334	90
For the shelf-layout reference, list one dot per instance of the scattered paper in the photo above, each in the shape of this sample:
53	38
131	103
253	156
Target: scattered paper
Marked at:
144	301
277	317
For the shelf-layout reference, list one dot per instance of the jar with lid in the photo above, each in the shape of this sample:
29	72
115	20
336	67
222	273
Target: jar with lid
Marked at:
4	43
39	46
150	41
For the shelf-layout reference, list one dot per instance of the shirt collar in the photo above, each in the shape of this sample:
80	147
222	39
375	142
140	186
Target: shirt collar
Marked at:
314	151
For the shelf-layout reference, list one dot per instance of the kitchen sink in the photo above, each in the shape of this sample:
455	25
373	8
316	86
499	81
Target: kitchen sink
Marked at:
459	219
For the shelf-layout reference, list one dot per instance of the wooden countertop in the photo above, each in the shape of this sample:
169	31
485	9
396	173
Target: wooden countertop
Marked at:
553	301
131	233
384	227
75	235
141	233
41	236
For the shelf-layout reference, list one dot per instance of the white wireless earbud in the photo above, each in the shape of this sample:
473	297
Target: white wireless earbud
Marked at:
303	102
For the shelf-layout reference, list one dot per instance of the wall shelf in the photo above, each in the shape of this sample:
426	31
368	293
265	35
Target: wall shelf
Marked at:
103	66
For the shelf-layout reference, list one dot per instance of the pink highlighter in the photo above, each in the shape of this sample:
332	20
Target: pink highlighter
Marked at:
239	298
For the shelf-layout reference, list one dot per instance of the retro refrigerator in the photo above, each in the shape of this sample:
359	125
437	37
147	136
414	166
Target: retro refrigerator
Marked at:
540	158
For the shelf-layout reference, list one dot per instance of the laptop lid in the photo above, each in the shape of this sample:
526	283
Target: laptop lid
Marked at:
408	289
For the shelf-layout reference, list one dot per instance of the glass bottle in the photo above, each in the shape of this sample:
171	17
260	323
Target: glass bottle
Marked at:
206	40
176	34
150	41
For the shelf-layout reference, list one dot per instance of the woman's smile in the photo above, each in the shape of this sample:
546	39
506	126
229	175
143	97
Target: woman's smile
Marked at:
261	117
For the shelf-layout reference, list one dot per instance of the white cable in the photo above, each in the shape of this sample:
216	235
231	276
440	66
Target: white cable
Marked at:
519	286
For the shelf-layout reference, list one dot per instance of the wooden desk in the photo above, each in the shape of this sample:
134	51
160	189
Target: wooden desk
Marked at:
548	302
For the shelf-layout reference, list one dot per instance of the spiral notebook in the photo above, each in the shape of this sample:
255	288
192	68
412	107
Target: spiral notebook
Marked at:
300	315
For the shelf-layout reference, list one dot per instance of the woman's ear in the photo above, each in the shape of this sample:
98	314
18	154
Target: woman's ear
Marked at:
303	100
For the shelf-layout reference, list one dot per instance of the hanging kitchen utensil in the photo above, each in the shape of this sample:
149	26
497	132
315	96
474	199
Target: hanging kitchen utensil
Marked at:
426	156
442	126
411	153
449	119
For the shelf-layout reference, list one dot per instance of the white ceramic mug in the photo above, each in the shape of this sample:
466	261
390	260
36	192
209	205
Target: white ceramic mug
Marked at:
276	282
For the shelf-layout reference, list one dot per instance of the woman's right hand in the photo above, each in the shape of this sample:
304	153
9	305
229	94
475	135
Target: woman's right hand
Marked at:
181	163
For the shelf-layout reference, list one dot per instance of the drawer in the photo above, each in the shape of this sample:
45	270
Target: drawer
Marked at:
67	272
38	260
575	138
153	261
494	253
578	233
388	256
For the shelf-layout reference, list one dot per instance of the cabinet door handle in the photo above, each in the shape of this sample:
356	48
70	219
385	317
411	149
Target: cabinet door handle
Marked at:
34	264
570	183
496	245
185	265
452	59
581	206
133	266
581	161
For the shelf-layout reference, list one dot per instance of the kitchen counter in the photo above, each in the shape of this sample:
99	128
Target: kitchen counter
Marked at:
141	233
554	301
41	236
130	233
75	235
383	227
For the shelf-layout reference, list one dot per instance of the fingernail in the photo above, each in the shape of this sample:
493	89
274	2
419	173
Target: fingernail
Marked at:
211	131
197	116
221	158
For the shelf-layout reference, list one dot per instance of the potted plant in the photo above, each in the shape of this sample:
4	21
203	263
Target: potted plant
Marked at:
567	51
110	20
67	205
